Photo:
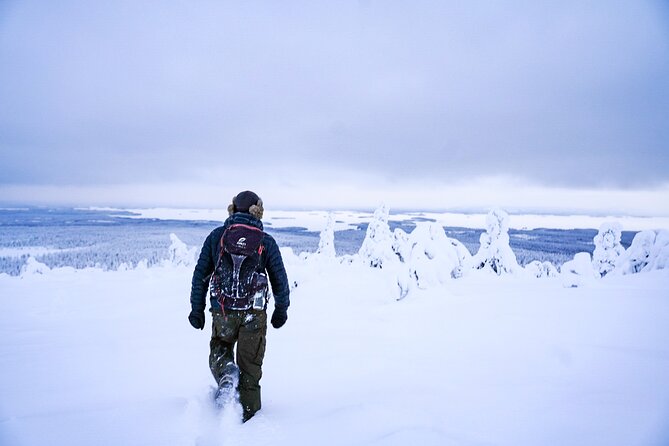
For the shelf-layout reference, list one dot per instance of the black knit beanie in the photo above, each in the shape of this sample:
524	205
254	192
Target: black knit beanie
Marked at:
247	202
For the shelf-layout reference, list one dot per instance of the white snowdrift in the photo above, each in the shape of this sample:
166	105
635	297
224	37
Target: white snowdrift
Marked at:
92	357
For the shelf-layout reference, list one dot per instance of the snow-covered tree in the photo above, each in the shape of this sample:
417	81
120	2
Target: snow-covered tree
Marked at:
495	252
377	247
32	266
401	245
430	258
607	247
326	246
541	269
637	255
464	256
578	271
659	255
433	255
649	251
179	254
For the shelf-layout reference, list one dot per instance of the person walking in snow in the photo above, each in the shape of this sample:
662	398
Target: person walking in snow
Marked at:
235	262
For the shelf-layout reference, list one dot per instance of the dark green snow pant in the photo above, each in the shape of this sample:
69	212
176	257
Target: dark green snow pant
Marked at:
248	329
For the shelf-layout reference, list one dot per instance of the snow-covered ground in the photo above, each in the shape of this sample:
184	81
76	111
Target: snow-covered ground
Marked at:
108	358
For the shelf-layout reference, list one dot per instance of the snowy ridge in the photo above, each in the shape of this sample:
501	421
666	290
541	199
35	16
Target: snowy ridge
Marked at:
471	355
482	359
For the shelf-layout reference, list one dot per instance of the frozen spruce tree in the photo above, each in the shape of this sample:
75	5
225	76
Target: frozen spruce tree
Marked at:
402	249
541	269
578	271
607	248
639	254
495	253
401	246
659	255
649	251
33	266
179	254
326	247
377	248
433	257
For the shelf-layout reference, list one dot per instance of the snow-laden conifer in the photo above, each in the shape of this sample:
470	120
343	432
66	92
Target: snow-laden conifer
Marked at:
495	253
607	247
429	257
377	247
433	256
33	266
637	256
401	246
179	254
578	271
649	251
326	246
541	269
659	254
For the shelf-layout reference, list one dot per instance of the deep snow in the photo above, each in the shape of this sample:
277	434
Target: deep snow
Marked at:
108	358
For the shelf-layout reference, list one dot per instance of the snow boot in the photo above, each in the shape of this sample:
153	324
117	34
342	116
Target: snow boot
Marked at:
247	416
227	385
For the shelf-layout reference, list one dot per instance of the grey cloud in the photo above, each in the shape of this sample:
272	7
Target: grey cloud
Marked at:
563	94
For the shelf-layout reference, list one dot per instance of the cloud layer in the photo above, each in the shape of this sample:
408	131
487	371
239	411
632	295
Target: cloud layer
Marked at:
570	94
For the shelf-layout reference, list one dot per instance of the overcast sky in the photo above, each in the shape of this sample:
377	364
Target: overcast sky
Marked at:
340	102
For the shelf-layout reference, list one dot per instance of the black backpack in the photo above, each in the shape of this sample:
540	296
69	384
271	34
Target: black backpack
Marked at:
238	282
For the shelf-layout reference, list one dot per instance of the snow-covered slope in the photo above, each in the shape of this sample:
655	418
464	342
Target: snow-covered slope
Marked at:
108	358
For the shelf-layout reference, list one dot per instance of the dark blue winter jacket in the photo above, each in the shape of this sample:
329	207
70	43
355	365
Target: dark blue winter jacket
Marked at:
270	261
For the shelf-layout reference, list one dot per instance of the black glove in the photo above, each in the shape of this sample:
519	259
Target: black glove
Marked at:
196	319
279	317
